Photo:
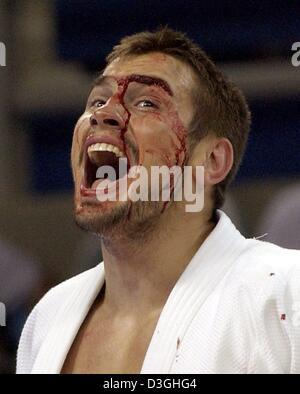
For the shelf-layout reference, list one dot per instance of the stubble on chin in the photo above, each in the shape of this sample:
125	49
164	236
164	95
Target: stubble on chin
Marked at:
132	220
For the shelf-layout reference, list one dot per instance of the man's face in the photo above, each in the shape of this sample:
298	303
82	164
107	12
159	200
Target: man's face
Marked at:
138	110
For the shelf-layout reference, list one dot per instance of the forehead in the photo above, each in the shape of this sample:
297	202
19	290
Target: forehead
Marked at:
179	76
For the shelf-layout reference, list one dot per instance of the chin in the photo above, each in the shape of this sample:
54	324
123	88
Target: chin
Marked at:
132	220
99	217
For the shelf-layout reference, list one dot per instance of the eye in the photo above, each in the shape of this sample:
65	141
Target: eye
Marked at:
98	103
146	104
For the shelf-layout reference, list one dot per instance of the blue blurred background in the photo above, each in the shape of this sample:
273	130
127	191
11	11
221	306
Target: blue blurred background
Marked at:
54	50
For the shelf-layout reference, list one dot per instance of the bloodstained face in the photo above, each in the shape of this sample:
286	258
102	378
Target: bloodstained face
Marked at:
138	109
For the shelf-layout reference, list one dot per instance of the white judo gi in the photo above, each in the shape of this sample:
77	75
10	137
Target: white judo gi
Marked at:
235	309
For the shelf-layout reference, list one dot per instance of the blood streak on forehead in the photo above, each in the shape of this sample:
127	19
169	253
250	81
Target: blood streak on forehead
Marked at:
143	79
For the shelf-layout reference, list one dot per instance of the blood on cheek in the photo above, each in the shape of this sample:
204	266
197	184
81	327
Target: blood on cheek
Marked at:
154	132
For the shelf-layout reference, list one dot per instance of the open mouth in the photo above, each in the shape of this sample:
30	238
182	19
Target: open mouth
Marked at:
99	154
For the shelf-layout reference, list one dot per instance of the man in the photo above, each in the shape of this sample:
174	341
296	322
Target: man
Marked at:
179	291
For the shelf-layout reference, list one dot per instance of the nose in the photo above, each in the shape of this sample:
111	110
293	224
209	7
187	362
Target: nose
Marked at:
105	120
108	116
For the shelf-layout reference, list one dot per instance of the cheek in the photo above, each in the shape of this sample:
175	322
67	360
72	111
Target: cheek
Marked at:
81	128
162	137
74	156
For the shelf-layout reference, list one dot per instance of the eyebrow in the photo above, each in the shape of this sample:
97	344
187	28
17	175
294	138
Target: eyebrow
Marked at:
143	79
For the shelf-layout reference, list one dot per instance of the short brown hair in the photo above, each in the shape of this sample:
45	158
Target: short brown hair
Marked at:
220	107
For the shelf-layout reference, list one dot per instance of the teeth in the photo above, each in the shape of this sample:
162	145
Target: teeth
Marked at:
105	148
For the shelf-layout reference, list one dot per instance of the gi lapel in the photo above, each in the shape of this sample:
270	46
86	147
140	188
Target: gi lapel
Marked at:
209	265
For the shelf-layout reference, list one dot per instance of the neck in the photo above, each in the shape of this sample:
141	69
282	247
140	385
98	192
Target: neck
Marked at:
141	274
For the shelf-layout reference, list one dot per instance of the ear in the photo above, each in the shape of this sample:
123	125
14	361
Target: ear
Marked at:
219	161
